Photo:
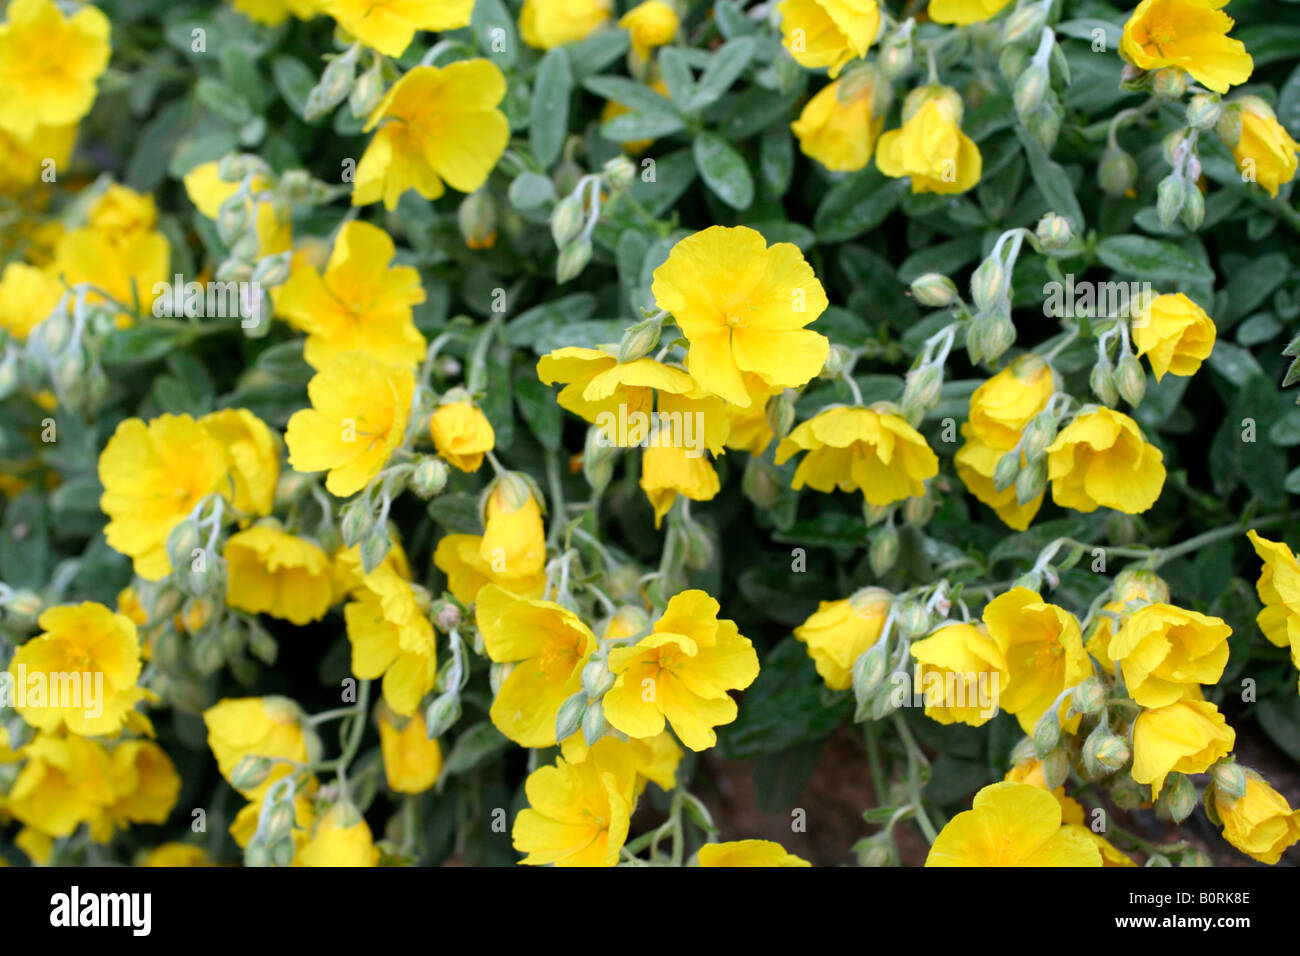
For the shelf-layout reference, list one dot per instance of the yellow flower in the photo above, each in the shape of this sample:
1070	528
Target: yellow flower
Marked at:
437	124
272	13
961	670
600	389
930	147
743	306
350	576
1044	652
65	782
1191	35
828	33
121	212
1264	149
1188	736
839	632
1110	854
1129	586
358	418
272	572
650	24
245	823
838	127
462	434
1031	772
340	838
675	461
389	26
24	158
1259	823
269	727
361	303
392	636
145	783
1175	335
612	108
1279	591
1011	824
748	428
412	761
27	296
128	269
252	453
153	476
460	557
875	452
76	642
1101	460
550	23
681	672
548	646
655	759
577	814
748	853
271	219
965	12
176	854
49	64
1166	651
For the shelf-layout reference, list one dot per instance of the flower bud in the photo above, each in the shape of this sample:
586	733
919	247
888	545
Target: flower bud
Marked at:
913	619
1029	89
1031	481
182	542
569	717
1054	232
1006	471
477	219
1038	434
374	549
698	546
836	358
780	413
1102	381
1170	83
356	522
1194	857
335	84
761	482
639	340
598	456
1130	380
997	335
1089	696
272	270
1044	123
367	92
594	723
430	477
1012	62
596	677
566	220
1056	768
921	391
620	172
263	646
1204	110
988	284
1193	212
877	850
1229	124
1025	24
934	290
1169	199
1229	779
918	510
573	260
1117	172
883	551
1047	732
896	55
250	772
232	217
442	714
1178	799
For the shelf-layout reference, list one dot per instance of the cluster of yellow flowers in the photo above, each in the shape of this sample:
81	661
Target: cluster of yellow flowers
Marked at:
612	671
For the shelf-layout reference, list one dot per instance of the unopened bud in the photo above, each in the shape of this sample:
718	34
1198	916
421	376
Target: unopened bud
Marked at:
639	340
1056	768
477	219
569	717
442	714
1012	62
921	391
374	549
934	290
272	270
1169	199
1229	779
566	220
989	283
573	260
594	723
1229	124
1170	83
1038	434
697	546
1193	214
1204	110
367	92
596	677
182	542
1031	481
1178	799
883	551
761	482
1089	696
1029	89
429	477
1025	23
1130	380
1047	732
1006	471
896	55
836	359
876	851
232	217
334	86
1102	381
1117	172
598	457
620	172
1054	232
250	772
780	413
356	522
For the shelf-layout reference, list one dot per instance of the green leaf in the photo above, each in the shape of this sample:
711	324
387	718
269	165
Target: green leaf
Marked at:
1051	181
677	75
294	81
776	159
549	116
25	542
476	745
1153	260
1280	719
530	190
495	29
856	204
537	404
725	67
635	96
724	171
629	127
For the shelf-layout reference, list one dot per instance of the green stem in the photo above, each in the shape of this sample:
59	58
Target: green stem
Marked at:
914	758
